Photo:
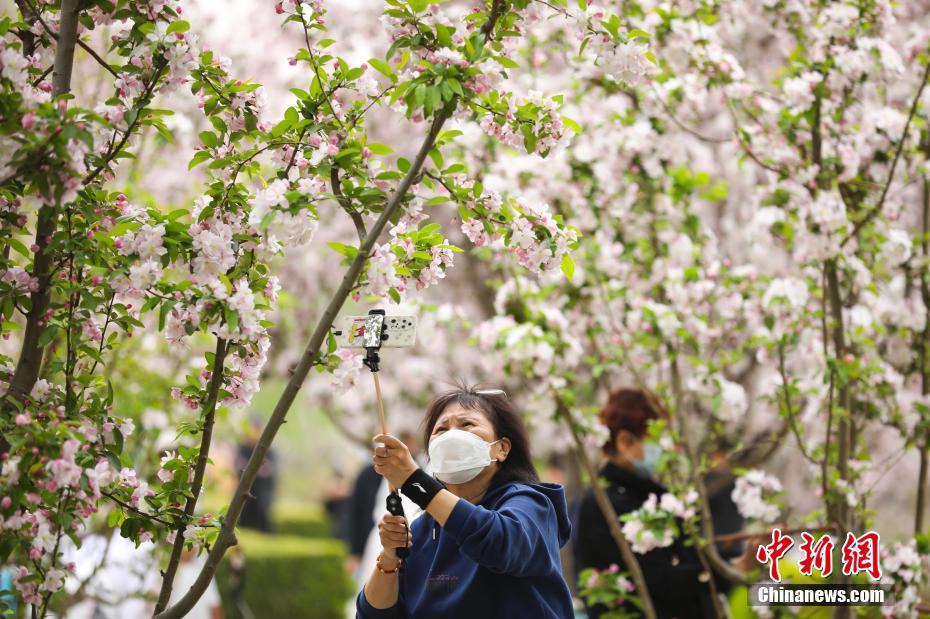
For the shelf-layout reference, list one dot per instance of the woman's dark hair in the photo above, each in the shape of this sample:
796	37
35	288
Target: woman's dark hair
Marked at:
496	406
630	409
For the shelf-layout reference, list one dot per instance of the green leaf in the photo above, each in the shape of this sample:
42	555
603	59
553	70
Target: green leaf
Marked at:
114	518
444	35
383	68
178	26
19	246
199	157
507	62
456	87
346	250
568	266
379	149
571	124
436	156
433	97
281	128
419	95
48	334
209	139
163	314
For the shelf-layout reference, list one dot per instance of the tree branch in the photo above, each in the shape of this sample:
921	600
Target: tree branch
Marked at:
924	347
308	359
30	358
64	52
113	151
346	204
216	380
894	164
87	48
709	547
607	510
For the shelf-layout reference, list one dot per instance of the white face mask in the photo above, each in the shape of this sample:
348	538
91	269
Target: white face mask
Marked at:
457	456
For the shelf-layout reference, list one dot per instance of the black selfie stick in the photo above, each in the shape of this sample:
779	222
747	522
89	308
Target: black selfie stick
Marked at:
373	337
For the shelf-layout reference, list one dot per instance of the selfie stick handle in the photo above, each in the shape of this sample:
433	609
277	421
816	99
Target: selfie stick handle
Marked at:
380	403
394	505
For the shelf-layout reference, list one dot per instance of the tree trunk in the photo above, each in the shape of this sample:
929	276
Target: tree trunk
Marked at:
30	357
308	359
610	515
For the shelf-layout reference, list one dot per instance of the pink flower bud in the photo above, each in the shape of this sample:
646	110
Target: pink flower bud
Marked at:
5	502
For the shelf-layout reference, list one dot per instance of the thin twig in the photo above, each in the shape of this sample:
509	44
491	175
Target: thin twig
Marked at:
87	48
894	164
134	510
113	151
346	204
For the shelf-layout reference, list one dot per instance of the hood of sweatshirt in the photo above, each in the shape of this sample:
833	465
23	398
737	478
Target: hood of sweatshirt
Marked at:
497	494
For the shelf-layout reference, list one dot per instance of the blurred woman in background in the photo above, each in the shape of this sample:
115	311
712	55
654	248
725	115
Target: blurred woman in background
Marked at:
674	575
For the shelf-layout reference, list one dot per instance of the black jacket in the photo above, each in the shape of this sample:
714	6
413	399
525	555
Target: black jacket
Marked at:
672	574
362	509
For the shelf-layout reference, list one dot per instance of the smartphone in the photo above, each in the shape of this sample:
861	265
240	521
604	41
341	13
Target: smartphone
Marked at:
366	331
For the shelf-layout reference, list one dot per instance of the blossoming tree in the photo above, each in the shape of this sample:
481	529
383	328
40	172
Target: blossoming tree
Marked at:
754	248
86	267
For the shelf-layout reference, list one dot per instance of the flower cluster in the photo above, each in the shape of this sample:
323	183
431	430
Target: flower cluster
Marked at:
755	495
658	521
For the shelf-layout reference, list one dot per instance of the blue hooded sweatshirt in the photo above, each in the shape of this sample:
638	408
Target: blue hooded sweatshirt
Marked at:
499	558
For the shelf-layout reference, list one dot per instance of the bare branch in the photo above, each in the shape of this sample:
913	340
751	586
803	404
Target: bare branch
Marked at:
894	164
607	510
216	380
346	204
308	359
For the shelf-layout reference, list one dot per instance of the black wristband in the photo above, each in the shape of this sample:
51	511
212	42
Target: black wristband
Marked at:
421	488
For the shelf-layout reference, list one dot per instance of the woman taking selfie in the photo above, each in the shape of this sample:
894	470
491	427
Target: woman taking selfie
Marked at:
488	544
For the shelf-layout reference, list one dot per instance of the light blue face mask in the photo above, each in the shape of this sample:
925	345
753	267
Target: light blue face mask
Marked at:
650	462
